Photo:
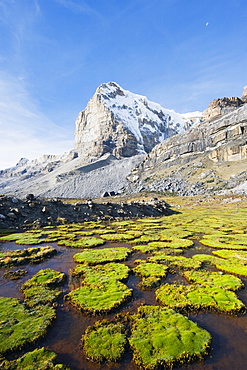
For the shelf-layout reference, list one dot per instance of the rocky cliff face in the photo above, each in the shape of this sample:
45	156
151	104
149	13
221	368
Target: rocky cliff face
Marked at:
125	124
212	143
220	107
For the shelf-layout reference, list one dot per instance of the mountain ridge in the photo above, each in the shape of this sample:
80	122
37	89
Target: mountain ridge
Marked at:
117	138
127	124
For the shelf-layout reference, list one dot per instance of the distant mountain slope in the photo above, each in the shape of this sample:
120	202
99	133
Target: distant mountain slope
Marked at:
71	179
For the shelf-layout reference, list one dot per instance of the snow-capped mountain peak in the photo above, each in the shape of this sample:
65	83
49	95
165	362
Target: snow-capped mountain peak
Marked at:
125	123
134	109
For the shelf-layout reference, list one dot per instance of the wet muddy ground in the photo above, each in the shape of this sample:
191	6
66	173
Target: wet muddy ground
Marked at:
229	333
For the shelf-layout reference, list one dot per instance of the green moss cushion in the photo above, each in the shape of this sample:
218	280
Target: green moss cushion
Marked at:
94	257
151	274
100	297
25	256
175	262
40	359
196	297
162	337
214	278
104	341
46	277
20	326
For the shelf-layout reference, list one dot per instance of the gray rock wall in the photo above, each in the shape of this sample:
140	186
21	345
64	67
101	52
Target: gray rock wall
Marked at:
222	140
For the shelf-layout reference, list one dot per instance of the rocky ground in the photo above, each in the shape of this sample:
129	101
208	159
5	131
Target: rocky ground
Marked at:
34	213
72	179
196	176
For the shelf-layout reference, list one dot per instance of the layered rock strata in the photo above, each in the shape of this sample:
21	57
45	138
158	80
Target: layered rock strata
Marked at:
222	140
220	107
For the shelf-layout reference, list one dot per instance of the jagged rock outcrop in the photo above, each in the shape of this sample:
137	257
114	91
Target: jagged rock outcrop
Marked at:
220	107
125	124
244	95
215	142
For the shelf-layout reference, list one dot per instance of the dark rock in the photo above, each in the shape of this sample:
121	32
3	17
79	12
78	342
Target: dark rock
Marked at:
30	197
11	215
61	213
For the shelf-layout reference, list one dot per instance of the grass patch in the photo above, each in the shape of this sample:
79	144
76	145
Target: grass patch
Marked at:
83	233
224	281
238	256
100	297
25	256
85	242
173	234
232	265
221	245
113	270
151	274
107	230
101	289
20	326
93	257
39	359
92	225
144	239
39	290
41	295
149	249
175	262
162	337
117	237
46	277
17	236
232	241
123	223
25	240
194	297
104	341
176	243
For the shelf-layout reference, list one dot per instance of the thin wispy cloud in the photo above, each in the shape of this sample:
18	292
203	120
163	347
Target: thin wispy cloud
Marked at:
54	54
77	7
12	14
24	130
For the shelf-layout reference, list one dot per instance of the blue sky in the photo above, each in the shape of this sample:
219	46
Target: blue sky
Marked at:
55	53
